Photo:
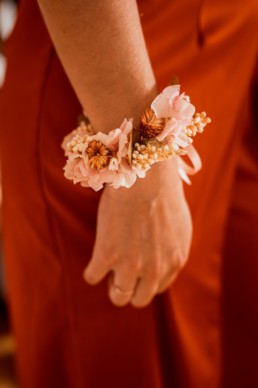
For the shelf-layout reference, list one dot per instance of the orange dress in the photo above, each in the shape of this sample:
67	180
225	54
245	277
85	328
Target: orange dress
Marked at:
202	332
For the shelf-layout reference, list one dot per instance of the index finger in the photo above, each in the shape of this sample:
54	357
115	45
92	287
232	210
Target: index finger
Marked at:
97	269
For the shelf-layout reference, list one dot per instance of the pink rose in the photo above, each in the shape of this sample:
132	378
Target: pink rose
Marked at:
177	107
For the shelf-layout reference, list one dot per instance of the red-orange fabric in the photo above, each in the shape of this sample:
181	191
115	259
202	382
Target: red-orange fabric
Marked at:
68	334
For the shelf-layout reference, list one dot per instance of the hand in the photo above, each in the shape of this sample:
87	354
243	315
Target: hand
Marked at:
143	237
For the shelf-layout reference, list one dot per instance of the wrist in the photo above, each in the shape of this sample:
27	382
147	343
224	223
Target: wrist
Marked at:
163	179
131	104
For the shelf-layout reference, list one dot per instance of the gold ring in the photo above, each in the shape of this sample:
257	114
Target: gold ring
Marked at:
120	292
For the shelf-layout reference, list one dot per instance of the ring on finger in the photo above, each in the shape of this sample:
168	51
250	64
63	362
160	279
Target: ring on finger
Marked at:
121	292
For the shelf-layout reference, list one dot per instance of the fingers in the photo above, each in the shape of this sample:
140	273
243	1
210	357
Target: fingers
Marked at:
97	269
167	282
179	260
148	285
131	282
148	288
158	278
122	285
144	293
122	281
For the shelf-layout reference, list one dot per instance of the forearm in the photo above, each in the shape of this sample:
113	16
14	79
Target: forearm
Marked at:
101	46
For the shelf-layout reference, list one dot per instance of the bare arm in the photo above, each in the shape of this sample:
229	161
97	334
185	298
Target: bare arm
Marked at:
101	46
143	233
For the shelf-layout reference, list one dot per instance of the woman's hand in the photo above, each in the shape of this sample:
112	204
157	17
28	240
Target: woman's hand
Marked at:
143	233
143	237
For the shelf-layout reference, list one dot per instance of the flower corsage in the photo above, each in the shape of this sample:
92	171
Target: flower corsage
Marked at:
166	129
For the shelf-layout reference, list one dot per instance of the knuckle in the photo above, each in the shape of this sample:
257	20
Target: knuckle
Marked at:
108	261
181	257
165	287
134	266
155	271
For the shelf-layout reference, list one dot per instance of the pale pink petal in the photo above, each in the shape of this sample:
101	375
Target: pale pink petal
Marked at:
139	173
118	181
124	166
112	139
95	182
161	106
183	109
122	147
126	128
182	141
123	179
95	185
113	164
107	176
130	180
77	172
169	129
171	91
72	169
103	137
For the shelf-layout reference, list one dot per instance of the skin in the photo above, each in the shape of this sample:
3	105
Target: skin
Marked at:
143	233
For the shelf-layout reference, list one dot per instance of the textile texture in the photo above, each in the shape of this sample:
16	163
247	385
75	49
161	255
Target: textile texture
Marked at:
68	333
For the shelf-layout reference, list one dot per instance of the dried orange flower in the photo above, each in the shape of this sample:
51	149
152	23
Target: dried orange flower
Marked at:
98	154
150	124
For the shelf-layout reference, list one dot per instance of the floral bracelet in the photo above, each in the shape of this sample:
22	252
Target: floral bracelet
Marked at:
166	129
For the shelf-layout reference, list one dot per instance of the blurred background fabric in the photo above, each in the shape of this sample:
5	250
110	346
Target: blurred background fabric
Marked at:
8	14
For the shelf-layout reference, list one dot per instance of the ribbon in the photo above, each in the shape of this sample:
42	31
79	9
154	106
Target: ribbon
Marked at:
185	169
